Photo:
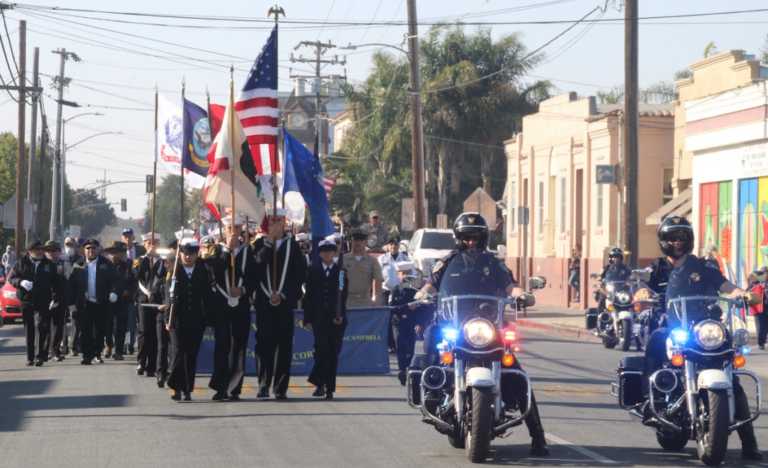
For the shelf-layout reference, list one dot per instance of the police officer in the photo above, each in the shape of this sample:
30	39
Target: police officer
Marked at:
37	286
615	270
482	273
325	311
691	276
126	287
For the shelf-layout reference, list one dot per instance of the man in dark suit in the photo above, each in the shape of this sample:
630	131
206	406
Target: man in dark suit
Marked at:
133	250
188	297
37	286
125	286
231	317
281	271
58	313
150	272
93	287
325	312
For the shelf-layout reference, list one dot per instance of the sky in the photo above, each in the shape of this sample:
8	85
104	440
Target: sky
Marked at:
122	62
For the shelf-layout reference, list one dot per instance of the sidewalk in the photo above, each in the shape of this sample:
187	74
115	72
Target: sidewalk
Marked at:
570	323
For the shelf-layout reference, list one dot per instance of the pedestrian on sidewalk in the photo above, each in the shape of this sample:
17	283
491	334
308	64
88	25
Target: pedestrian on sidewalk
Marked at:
38	289
574	273
757	284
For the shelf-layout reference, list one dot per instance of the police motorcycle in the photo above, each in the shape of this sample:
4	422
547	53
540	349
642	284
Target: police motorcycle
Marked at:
618	318
691	397
470	386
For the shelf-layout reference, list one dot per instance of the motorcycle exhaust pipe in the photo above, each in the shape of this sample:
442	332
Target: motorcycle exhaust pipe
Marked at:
665	381
434	378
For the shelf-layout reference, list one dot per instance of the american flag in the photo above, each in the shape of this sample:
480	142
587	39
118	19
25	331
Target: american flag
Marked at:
257	109
328	184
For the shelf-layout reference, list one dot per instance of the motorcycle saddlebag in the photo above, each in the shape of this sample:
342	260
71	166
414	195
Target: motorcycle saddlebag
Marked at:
630	374
418	364
590	318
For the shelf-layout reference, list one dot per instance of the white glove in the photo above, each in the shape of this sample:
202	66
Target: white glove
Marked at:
72	309
26	284
53	305
112	298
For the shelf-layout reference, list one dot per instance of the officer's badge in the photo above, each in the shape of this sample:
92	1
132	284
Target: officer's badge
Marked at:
695	277
471	219
486	271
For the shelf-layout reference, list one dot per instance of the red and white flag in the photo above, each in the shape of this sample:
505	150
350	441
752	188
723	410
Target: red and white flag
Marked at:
228	169
257	109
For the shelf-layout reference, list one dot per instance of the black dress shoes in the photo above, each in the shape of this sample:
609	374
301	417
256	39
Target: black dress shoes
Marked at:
39	363
234	397
30	363
187	396
319	392
139	370
751	454
176	396
263	394
86	362
281	396
219	396
329	395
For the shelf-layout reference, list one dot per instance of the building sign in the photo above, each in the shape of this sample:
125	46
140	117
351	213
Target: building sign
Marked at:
606	174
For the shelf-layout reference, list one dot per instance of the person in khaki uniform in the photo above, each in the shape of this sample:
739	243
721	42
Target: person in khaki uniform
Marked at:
364	273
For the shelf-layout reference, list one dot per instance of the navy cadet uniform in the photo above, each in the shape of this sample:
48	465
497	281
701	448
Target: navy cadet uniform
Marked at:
696	277
483	274
150	274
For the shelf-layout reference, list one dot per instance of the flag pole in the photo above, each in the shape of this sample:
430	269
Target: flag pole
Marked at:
276	11
154	175
210	127
233	163
181	156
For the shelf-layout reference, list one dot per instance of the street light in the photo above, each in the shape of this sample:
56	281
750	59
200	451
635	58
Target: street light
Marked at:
417	137
63	161
66	148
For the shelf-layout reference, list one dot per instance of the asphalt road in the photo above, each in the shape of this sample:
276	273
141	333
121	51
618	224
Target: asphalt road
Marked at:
67	415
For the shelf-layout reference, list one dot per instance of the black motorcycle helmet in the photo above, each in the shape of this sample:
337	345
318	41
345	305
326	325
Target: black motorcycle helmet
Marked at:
615	253
471	225
675	228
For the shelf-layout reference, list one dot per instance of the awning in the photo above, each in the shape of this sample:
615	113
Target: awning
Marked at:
681	205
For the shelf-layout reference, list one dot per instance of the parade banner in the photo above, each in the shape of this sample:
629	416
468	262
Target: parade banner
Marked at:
364	350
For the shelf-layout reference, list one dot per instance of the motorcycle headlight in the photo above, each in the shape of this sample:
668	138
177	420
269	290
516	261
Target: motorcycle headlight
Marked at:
623	298
479	332
709	334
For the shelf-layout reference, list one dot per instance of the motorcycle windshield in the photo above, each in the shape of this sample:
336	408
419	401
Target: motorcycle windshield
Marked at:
686	311
469	290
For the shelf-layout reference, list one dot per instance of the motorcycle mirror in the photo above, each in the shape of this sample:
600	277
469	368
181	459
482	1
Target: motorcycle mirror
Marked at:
537	282
740	337
594	276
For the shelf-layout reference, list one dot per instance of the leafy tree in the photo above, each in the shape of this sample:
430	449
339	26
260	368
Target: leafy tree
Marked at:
91	212
661	92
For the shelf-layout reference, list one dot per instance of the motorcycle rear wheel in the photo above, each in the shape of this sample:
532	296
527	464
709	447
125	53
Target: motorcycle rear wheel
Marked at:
478	441
712	445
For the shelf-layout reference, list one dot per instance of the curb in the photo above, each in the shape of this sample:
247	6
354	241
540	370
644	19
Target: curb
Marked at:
560	329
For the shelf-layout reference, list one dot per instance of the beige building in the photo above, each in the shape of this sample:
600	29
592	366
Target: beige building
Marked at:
342	124
552	168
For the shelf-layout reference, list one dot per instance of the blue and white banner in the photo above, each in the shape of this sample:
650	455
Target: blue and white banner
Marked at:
364	350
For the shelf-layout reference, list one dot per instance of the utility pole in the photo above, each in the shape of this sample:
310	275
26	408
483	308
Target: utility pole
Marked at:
33	130
417	141
631	127
19	235
57	192
104	182
321	145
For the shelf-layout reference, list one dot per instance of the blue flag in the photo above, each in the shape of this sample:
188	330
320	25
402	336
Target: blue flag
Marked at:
197	139
304	174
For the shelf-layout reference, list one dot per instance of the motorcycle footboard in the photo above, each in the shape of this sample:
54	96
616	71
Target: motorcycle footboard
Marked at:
758	396
519	386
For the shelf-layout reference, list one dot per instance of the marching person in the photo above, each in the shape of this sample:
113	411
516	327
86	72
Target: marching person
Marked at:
280	274
150	275
162	336
192	284
325	312
407	319
231	319
58	313
133	250
72	256
37	286
148	240
364	273
92	293
125	285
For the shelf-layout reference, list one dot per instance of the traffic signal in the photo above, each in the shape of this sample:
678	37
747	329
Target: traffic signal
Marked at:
150	188
123	204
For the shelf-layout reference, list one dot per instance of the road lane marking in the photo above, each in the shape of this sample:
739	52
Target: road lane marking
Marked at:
594	456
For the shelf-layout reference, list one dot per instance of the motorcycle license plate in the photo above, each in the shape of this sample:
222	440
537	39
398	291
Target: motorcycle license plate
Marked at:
636	328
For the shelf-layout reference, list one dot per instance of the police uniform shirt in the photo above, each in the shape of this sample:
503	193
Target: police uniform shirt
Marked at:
481	273
693	278
362	271
615	273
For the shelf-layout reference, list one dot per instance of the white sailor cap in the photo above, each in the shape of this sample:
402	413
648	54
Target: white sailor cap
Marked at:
180	235
189	244
335	237
302	237
405	265
326	245
148	236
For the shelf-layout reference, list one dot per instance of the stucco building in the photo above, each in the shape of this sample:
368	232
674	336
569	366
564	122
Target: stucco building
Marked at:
552	168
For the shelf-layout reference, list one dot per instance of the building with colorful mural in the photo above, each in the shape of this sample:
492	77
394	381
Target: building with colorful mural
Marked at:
726	134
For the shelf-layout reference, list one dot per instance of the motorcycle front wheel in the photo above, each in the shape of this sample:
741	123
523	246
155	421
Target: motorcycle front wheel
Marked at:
626	334
479	436
712	443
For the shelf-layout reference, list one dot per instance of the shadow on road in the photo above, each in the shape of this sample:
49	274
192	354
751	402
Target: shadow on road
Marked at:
15	405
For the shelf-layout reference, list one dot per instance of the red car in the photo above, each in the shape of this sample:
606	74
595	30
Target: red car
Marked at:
10	307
